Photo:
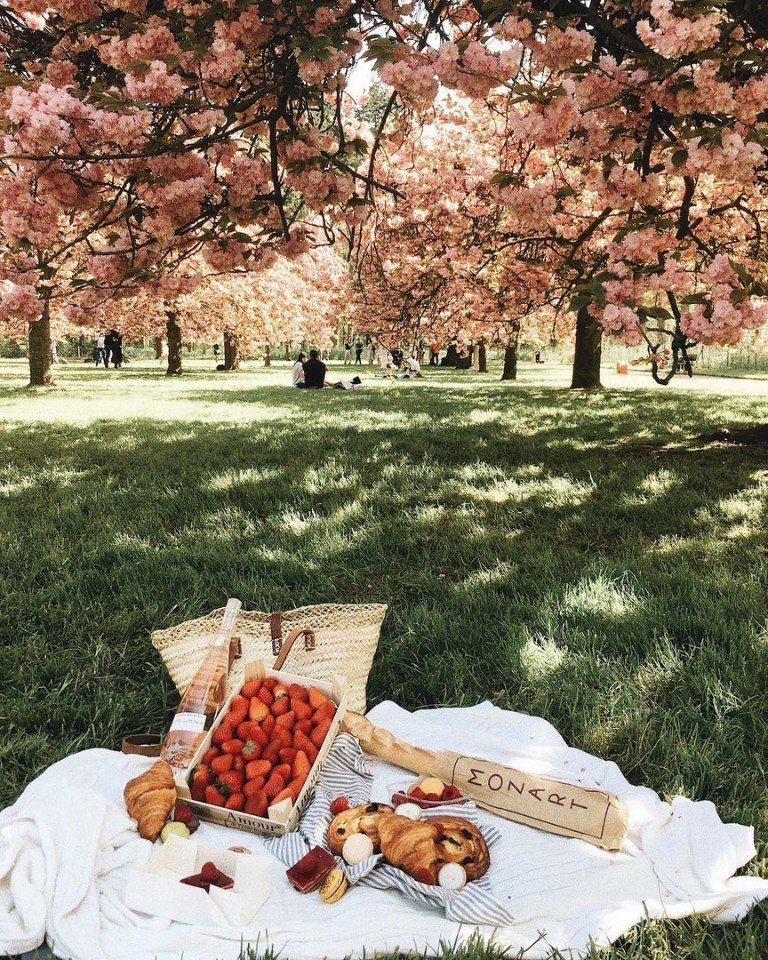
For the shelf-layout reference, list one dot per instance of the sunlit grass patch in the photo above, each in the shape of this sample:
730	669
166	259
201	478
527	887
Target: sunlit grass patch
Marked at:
583	559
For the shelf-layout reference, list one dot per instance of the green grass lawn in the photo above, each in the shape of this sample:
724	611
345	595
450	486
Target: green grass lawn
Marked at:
578	557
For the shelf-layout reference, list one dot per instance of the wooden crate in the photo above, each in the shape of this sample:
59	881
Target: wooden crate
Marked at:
275	826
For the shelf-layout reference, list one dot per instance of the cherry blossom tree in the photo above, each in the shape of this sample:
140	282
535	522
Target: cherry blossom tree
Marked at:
290	301
139	136
655	117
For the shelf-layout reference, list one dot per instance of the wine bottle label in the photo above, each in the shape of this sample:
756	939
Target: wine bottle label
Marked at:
189	722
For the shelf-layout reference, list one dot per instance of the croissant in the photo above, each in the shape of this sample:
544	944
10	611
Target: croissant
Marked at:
425	845
150	798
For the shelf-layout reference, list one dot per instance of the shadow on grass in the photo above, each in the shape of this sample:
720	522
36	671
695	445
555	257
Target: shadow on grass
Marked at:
532	547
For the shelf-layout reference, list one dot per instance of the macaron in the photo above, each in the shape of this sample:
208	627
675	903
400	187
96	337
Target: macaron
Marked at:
357	848
334	886
410	810
452	876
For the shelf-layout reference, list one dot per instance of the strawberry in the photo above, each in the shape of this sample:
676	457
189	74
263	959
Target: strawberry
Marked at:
316	698
209	872
283	736
270	682
257	806
301	765
266	696
297	692
268	724
286	794
302	742
199	783
221	734
283	770
273	786
243	730
258	710
432	797
257	768
423	876
232	780
272	752
251	750
302	710
235	802
318	734
232	746
238	708
286	719
305	726
222	764
280	690
325	711
288	755
339	805
295	786
417	793
197	791
211	755
215	796
184	814
252	788
238	763
281	706
250	688
451	793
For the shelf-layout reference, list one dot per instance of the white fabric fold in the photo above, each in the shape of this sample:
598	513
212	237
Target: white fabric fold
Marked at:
66	846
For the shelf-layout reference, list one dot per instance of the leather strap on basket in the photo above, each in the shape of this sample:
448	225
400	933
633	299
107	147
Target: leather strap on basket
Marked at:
281	648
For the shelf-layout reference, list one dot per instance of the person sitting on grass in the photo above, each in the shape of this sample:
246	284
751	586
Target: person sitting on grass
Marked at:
410	367
297	374
314	372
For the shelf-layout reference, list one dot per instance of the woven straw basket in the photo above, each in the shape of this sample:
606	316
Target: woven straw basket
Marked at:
346	637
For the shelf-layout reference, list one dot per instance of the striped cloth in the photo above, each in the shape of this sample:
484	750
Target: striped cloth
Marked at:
346	773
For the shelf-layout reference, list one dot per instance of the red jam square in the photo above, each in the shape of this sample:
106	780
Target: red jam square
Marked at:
311	870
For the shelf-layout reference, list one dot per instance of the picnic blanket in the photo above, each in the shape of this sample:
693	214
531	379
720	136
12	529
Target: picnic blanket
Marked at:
66	846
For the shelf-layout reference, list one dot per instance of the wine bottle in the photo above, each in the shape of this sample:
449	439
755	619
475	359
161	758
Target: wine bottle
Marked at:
203	697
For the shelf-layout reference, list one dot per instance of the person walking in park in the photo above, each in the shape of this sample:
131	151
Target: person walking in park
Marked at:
434	354
117	349
101	352
359	353
347	351
109	346
297	373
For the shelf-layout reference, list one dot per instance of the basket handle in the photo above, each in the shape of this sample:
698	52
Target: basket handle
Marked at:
281	648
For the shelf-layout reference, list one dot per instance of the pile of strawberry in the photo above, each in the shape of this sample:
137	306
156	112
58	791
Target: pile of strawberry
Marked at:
263	749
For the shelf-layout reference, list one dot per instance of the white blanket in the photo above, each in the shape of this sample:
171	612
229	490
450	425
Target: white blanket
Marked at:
67	844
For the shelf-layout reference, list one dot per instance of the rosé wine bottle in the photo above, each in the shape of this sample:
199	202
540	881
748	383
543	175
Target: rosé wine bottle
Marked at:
203	697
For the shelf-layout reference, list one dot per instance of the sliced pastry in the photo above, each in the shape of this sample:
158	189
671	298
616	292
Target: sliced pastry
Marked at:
362	819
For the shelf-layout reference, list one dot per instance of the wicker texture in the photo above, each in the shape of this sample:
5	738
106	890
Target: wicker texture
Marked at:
346	641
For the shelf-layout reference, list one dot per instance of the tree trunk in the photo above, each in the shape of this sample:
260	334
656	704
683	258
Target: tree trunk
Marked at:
589	345
482	357
268	356
510	361
231	351
158	348
40	348
287	351
173	336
